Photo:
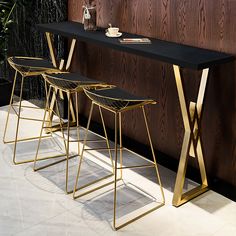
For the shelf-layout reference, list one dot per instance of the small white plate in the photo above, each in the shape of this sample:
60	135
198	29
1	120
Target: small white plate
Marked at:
113	36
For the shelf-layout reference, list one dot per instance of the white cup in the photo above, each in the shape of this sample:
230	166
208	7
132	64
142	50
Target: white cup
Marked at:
113	31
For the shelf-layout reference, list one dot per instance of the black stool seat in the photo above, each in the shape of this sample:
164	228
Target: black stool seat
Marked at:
27	67
31	65
117	99
70	81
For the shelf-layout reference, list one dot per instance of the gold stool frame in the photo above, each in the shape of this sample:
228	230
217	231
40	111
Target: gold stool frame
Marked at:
118	123
24	74
66	141
192	143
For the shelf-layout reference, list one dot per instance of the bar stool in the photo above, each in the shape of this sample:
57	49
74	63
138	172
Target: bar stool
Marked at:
26	67
118	101
71	84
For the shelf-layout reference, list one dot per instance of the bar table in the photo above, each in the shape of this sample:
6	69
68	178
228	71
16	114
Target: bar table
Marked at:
180	56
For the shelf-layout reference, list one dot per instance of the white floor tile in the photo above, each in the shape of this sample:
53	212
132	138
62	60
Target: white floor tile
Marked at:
34	203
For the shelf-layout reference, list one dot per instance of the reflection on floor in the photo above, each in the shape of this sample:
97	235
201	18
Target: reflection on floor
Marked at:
34	203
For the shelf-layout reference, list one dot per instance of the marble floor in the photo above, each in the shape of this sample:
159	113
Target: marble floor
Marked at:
34	203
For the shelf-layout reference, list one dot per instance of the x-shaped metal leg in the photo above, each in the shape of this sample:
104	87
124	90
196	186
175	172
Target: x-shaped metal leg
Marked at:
192	140
61	67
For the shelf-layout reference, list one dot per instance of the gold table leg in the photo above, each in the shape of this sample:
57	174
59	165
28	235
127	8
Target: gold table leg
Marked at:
192	140
61	66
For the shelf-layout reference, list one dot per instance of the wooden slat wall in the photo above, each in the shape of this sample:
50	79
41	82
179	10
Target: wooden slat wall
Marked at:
203	23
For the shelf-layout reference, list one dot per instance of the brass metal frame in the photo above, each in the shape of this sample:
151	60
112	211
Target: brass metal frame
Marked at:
52	51
118	125
57	112
192	140
66	140
24	74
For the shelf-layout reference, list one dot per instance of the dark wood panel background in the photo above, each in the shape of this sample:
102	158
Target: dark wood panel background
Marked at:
203	23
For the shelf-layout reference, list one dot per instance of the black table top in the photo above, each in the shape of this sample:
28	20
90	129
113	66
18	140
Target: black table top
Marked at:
169	52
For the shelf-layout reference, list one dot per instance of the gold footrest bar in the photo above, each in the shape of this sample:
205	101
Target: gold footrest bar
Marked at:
55	128
26	118
136	167
190	195
95	181
139	216
40	159
54	163
23	106
26	139
91	141
78	140
97	188
101	149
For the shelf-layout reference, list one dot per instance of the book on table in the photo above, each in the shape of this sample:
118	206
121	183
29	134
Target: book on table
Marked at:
135	40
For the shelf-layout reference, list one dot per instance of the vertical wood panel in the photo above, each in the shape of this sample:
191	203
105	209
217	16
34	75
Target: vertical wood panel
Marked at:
202	23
